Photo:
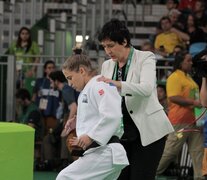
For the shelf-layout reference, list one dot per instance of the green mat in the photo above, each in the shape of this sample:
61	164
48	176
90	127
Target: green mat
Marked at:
38	175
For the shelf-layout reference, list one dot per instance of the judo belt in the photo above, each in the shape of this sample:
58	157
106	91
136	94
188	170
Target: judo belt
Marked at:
79	152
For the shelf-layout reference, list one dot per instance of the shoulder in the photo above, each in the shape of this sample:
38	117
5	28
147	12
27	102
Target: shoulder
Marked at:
35	47
34	44
174	76
12	46
42	80
108	62
67	88
34	116
144	55
160	35
99	85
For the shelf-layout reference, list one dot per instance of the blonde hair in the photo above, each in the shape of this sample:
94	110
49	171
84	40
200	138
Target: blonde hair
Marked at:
74	62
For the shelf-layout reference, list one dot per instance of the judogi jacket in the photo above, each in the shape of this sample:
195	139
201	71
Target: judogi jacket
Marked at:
99	116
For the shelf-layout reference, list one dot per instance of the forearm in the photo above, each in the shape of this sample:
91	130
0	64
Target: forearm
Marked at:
34	96
73	110
182	35
34	67
183	101
203	92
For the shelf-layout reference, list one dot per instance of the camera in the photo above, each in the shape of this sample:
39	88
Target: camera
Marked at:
200	64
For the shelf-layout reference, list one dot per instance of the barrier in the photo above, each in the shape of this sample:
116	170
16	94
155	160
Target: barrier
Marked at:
16	151
8	76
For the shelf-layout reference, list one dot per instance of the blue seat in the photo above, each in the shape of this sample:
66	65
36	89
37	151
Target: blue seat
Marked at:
195	48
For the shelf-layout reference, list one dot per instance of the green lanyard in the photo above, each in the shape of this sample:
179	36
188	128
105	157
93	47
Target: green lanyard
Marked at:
129	59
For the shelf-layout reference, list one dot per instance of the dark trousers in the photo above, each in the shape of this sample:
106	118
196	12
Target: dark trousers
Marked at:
143	160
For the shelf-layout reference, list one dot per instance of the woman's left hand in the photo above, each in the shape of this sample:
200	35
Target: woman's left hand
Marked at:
110	81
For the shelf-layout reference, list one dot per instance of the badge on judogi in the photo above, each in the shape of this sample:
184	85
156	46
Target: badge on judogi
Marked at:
101	92
84	98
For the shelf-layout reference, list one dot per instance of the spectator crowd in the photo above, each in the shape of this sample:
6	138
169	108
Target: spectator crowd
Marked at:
47	103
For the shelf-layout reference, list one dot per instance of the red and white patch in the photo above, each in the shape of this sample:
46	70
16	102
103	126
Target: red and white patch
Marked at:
101	92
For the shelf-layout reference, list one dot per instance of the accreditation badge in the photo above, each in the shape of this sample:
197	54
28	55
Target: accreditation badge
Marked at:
43	103
19	65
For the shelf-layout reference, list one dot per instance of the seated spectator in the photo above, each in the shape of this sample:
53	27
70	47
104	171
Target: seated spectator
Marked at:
200	16
53	143
69	95
46	98
177	49
31	116
187	5
196	34
166	41
172	4
148	46
162	96
177	19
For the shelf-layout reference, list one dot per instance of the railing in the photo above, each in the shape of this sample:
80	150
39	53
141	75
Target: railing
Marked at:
7	88
8	82
8	78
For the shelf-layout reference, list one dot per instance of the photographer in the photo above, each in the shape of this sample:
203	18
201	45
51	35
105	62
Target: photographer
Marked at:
200	62
203	92
203	98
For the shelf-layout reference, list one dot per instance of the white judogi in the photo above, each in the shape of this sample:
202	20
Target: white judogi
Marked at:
99	116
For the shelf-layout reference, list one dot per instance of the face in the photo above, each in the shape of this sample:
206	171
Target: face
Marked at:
53	84
49	68
170	4
198	7
161	93
75	79
21	102
187	63
190	20
24	35
165	24
176	50
114	50
174	17
146	47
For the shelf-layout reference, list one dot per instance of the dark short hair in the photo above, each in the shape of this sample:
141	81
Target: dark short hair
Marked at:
116	31
164	18
175	2
48	62
23	94
179	58
57	75
45	65
162	86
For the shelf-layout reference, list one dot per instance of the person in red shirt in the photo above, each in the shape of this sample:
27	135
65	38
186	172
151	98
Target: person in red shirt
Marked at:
188	5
